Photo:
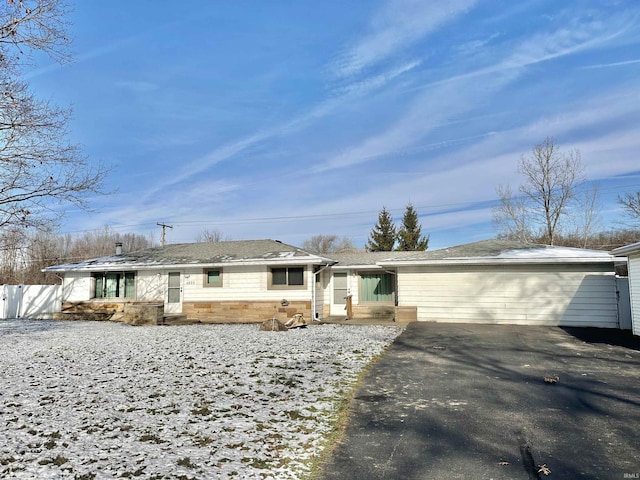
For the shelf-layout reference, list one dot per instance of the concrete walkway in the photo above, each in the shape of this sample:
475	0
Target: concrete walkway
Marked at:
451	401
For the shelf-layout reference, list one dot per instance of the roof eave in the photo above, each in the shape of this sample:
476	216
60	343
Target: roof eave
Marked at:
168	266
626	250
495	261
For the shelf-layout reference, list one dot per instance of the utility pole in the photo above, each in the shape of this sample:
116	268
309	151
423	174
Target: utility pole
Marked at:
164	228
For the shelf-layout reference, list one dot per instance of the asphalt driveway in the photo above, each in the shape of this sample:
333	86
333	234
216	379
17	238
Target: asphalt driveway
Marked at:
452	401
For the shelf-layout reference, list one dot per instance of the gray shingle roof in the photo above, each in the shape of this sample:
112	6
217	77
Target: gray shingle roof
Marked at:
208	253
367	258
505	251
272	251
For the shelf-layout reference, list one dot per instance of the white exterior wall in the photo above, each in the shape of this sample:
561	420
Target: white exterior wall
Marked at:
634	291
242	283
76	287
238	283
529	295
151	286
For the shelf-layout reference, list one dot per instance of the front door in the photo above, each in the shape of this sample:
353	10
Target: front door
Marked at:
173	301
339	294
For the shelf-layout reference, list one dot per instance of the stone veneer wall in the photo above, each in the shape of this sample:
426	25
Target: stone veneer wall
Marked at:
136	313
244	311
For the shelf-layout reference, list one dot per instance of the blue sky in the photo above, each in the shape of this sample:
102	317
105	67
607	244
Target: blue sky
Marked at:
286	120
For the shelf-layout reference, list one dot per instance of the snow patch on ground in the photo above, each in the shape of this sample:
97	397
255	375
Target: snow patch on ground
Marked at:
93	400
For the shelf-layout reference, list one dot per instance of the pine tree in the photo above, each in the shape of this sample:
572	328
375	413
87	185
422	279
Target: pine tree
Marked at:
410	234
383	236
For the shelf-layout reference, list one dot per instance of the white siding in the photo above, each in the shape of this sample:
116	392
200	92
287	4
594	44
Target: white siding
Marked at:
76	287
532	295
151	286
634	291
238	283
242	283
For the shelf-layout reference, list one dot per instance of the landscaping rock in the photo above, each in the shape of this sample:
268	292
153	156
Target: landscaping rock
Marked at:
297	321
144	314
273	325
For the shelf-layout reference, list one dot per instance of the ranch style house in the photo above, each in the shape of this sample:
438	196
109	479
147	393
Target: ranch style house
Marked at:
490	281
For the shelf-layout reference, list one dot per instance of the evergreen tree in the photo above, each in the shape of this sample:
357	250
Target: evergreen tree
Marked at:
410	234
383	236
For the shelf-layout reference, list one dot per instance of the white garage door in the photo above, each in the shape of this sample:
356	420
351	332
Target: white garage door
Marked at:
567	295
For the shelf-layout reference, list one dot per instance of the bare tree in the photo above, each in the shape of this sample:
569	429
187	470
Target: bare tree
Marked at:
23	255
587	216
631	204
12	243
98	243
40	169
550	185
43	250
211	236
328	244
511	217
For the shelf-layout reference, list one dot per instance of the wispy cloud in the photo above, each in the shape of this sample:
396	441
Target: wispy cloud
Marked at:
377	81
576	37
614	64
400	24
315	112
513	58
461	92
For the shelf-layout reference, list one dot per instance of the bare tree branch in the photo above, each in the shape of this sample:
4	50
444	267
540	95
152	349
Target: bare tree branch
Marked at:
40	170
547	194
631	204
511	216
211	236
322	244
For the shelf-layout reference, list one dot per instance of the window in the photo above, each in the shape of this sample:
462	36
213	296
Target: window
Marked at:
213	278
376	287
289	277
114	285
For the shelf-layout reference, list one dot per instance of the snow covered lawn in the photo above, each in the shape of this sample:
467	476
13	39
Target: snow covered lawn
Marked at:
85	400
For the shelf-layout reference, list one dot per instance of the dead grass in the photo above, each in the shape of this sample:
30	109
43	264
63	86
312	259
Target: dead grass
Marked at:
343	415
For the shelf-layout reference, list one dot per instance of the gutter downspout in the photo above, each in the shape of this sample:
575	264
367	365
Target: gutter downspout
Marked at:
313	293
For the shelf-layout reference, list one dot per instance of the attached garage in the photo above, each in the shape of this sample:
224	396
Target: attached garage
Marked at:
506	282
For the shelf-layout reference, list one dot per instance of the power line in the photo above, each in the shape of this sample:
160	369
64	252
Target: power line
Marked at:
283	218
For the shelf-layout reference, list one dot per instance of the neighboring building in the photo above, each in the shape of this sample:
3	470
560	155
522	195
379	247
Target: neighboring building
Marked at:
632	252
485	282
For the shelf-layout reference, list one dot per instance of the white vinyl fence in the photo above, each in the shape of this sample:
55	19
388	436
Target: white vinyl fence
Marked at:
30	301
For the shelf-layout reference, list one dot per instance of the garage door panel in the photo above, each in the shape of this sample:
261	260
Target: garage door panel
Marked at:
528	297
